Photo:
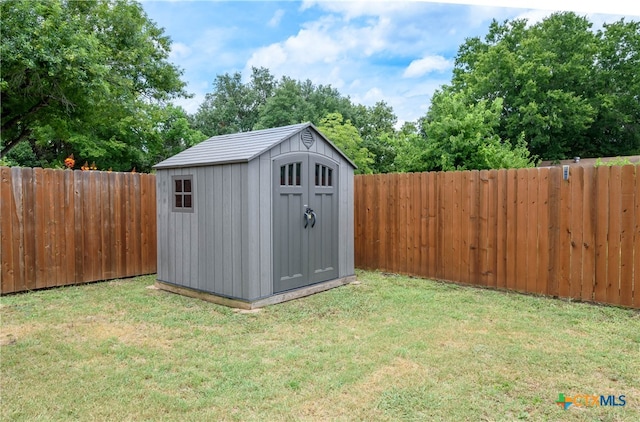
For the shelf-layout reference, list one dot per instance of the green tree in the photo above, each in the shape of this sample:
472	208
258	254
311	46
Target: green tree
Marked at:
376	125
297	102
346	137
568	89
75	73
234	106
459	136
286	106
616	128
166	131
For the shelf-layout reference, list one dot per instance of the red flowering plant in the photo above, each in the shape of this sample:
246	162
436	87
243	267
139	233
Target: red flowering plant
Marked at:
69	162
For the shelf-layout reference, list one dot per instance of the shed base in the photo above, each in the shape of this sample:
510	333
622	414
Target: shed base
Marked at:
258	303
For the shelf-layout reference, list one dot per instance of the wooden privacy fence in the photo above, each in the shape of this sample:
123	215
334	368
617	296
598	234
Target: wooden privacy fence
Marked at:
526	230
61	227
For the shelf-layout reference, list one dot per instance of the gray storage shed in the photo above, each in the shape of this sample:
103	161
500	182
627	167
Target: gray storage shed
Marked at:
256	218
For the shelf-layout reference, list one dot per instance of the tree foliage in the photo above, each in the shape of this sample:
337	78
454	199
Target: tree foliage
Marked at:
461	136
84	77
346	137
570	90
263	102
234	106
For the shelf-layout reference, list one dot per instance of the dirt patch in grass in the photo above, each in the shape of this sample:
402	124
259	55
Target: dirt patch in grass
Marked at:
91	329
358	401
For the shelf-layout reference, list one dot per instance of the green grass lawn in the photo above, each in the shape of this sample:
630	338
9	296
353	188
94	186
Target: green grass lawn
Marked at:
389	348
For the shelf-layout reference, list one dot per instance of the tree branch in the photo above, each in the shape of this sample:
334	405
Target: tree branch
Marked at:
9	146
14	121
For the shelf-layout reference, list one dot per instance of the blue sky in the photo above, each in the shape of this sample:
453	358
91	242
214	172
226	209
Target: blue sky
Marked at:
399	52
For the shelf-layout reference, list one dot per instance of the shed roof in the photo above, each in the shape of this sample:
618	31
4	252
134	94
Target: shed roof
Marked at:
237	147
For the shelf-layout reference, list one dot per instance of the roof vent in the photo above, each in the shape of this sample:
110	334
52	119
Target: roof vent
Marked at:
307	138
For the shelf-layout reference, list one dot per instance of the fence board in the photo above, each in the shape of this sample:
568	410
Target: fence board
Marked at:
433	224
627	226
28	219
492	232
69	228
522	191
576	229
6	231
425	216
403	202
60	227
145	215
78	190
48	208
59	239
532	229
416	224
564	251
483	234
542	265
384	247
449	192
613	240
555	181
359	190
588	235
636	247
501	230
462	229
105	228
601	233
511	253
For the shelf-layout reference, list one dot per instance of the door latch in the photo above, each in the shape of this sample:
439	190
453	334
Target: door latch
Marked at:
309	217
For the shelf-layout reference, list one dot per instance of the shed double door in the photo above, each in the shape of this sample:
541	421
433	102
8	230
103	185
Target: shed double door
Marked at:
305	221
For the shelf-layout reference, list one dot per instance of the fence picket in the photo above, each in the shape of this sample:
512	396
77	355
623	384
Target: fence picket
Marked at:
542	265
6	231
613	239
627	226
576	224
588	235
636	243
531	227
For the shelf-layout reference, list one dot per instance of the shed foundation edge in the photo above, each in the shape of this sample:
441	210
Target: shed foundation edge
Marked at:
259	303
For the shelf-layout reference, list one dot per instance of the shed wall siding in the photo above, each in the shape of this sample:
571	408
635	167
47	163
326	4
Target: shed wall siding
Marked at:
205	250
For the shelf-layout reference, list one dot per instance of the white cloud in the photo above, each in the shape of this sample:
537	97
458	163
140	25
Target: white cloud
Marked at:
179	51
427	65
614	7
352	9
277	17
325	41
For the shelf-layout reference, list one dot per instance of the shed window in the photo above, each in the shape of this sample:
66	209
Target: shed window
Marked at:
290	174
324	175
183	193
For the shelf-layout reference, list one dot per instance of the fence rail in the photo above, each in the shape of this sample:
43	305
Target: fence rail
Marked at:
61	227
526	230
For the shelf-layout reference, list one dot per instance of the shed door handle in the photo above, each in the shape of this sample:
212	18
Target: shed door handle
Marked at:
309	216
